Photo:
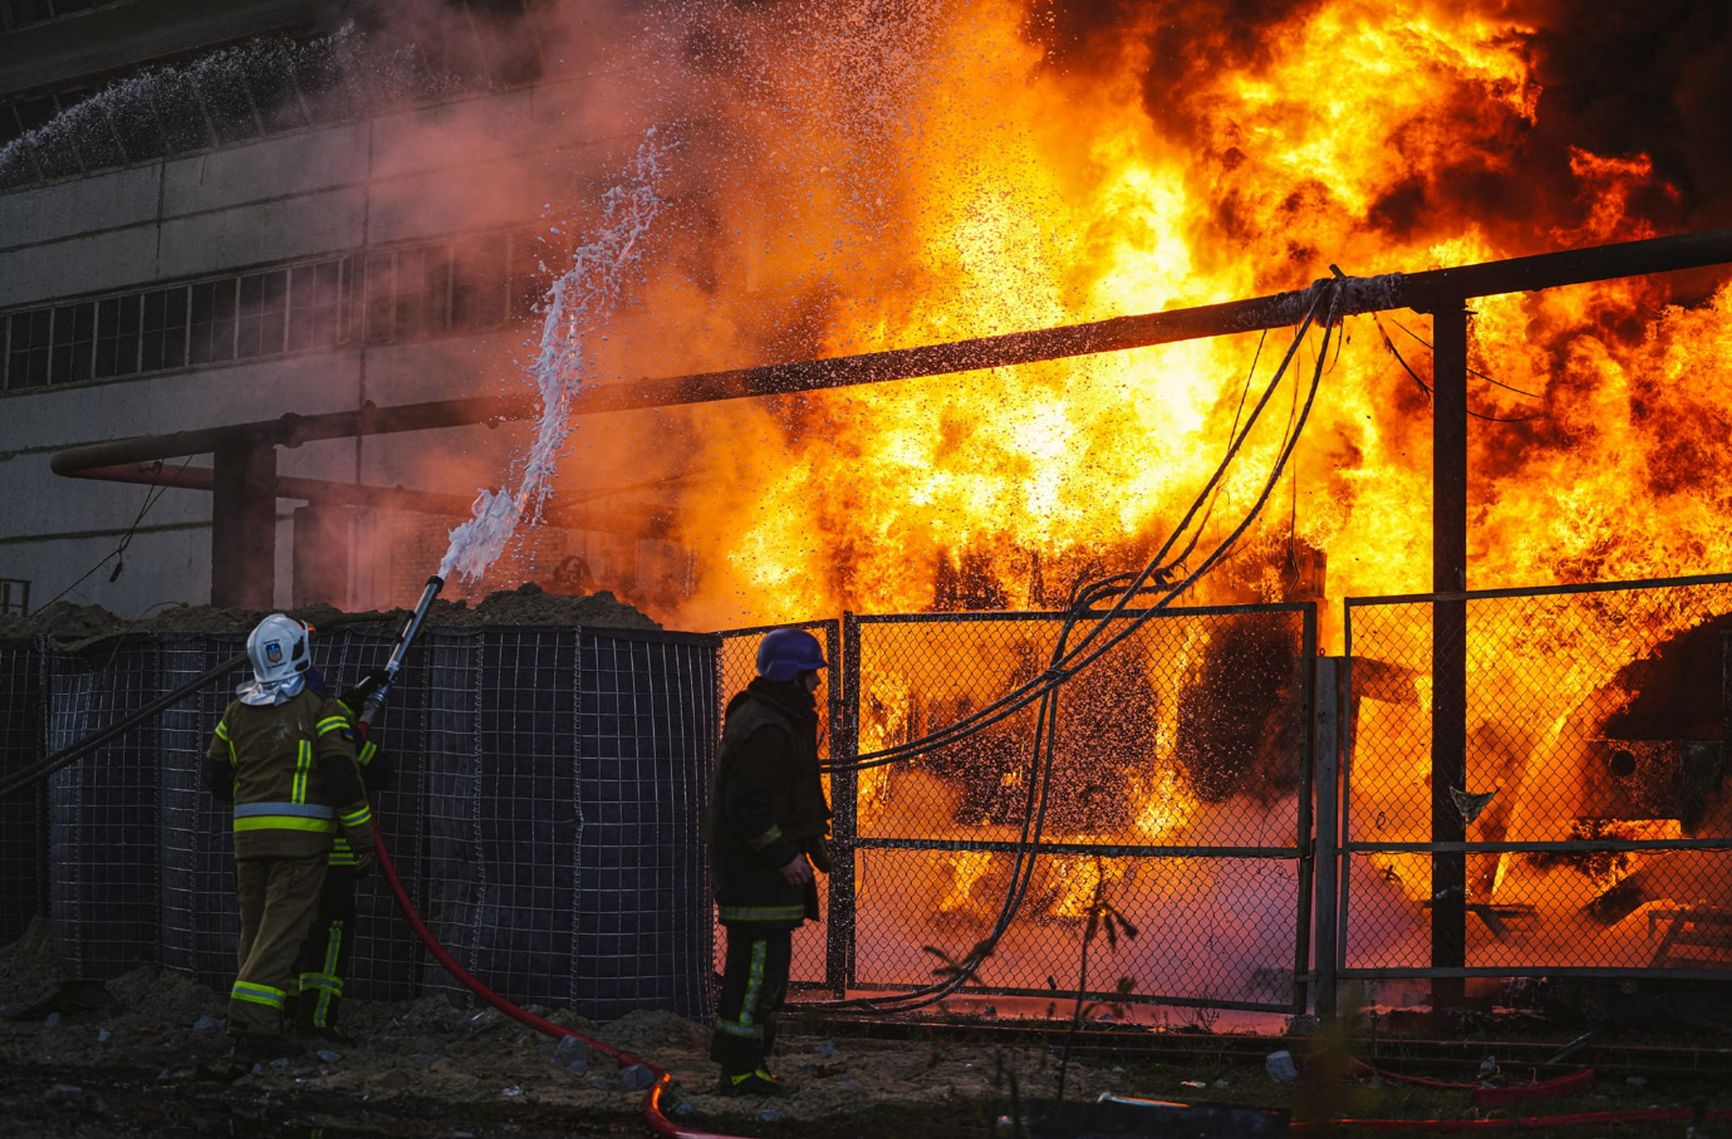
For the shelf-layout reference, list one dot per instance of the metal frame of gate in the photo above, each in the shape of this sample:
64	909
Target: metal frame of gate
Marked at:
840	970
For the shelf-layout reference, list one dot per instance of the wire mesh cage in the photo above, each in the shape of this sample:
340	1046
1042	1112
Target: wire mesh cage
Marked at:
1593	800
105	833
24	813
543	813
564	775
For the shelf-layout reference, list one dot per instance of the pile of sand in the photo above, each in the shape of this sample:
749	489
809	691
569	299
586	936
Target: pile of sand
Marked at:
75	625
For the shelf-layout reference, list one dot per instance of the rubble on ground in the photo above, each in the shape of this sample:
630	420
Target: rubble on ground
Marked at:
439	1057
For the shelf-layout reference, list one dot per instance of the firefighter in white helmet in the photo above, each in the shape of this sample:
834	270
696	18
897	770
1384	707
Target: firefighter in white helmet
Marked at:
285	757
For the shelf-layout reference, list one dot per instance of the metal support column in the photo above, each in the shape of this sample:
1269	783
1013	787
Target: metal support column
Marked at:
243	532
1327	849
1448	648
319	563
844	786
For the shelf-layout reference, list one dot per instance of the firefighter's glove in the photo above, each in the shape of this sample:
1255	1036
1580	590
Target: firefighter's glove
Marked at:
363	866
819	851
358	696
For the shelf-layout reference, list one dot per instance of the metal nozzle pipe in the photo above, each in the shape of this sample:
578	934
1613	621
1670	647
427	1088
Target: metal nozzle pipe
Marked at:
376	702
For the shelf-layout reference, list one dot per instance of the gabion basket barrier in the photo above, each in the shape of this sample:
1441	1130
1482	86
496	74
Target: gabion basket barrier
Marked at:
23	814
549	782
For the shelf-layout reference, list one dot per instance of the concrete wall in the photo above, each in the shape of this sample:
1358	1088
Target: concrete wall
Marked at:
318	192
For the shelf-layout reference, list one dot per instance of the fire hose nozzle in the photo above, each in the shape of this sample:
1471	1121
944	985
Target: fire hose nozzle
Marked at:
376	702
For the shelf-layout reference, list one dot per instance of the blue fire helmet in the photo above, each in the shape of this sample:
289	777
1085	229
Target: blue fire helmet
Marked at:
785	653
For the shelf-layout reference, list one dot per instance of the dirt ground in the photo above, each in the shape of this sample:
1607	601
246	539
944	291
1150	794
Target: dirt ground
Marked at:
145	1055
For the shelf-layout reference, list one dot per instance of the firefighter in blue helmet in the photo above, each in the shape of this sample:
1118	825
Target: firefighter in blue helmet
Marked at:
766	824
284	755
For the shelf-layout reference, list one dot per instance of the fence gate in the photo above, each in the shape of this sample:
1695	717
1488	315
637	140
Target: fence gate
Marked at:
1180	794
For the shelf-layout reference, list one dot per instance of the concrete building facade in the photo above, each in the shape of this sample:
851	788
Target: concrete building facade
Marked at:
302	261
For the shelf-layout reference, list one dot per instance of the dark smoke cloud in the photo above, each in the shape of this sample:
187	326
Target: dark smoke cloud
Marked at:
1651	78
1618	79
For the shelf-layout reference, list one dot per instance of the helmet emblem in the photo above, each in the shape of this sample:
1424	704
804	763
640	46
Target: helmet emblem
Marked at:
274	652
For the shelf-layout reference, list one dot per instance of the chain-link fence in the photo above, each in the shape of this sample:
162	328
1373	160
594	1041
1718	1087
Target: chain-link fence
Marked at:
1178	794
1536	781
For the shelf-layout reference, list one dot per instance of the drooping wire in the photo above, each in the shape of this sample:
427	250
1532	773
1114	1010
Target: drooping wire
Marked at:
1043	753
1472	371
151	498
1025	694
1426	388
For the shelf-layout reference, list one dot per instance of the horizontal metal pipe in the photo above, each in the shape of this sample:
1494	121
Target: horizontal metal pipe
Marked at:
1422	291
636	522
1565	845
1425	290
292	430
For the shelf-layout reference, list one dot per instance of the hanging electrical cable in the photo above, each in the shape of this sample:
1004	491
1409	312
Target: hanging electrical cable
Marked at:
1066	662
1080	656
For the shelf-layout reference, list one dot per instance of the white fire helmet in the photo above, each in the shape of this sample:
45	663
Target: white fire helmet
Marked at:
280	658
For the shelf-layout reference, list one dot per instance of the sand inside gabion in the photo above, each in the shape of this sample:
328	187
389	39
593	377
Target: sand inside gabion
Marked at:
76	625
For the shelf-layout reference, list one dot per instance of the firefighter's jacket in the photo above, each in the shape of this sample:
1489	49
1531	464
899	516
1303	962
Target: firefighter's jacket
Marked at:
289	769
767	805
376	769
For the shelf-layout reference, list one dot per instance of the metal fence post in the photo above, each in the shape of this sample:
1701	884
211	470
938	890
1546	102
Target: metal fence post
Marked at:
1309	694
1449	650
844	785
1326	851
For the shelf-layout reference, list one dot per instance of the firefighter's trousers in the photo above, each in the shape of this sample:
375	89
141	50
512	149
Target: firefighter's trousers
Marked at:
754	984
278	899
324	957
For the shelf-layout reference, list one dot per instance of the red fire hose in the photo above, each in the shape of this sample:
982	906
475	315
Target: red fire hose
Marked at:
652	1102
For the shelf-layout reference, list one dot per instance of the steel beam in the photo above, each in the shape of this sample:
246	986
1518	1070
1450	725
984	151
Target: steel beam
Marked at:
243	535
635	522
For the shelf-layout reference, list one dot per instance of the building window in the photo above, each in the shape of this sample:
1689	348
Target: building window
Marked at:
213	322
264	313
315	306
14	597
409	293
423	292
117	336
478	282
164	343
74	343
528	275
380	307
27	349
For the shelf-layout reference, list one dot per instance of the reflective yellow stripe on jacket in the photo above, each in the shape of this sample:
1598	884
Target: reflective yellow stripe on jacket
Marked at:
284	817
